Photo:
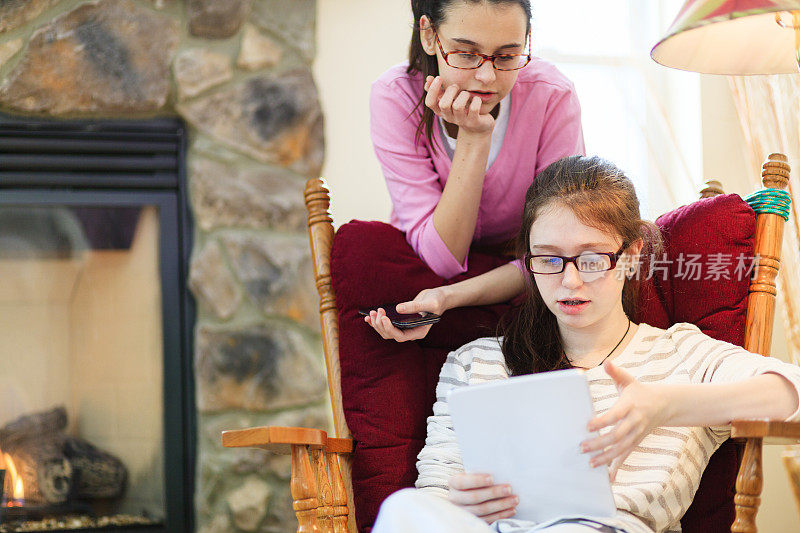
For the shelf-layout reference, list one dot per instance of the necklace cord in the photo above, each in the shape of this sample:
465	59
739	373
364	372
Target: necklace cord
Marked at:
612	349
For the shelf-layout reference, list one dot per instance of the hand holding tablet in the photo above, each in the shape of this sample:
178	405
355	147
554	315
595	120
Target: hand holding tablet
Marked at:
526	432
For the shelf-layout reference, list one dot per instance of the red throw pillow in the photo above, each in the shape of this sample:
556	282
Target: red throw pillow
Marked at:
388	388
718	235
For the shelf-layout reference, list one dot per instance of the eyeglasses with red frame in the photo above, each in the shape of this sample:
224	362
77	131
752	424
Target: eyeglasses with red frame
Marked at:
471	60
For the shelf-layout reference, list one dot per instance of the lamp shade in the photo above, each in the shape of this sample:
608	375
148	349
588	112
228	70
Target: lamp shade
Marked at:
731	37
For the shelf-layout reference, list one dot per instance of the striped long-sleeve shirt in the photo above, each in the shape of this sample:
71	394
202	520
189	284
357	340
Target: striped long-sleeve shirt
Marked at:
656	483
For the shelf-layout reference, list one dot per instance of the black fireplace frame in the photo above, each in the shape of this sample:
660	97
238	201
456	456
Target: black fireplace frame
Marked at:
125	163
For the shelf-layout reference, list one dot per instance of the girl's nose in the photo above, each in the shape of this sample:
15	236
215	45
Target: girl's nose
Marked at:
571	277
485	73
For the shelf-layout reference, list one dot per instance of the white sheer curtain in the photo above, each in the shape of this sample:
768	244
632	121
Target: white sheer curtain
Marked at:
632	108
769	113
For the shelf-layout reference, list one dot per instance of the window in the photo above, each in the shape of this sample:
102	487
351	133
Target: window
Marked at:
636	113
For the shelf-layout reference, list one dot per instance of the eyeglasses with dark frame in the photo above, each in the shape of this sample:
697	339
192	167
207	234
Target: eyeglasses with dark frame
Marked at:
589	262
472	60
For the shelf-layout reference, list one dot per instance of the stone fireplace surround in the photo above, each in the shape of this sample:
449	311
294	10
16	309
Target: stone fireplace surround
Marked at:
238	72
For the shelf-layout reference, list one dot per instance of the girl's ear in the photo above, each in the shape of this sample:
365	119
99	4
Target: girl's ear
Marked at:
633	261
426	35
635	249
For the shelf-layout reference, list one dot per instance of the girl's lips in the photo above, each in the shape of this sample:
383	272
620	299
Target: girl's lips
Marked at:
482	95
572	309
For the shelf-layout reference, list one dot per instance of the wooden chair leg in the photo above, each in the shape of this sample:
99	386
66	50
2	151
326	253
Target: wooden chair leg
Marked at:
324	492
304	491
749	483
339	493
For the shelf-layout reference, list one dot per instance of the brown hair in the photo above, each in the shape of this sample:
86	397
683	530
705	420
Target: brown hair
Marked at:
601	196
420	61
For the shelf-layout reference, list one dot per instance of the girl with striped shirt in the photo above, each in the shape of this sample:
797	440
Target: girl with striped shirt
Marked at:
663	399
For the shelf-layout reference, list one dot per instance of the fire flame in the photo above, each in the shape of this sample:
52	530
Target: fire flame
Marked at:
15	483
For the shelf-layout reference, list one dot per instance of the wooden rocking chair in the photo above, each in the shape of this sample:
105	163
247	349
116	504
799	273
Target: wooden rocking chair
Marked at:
320	474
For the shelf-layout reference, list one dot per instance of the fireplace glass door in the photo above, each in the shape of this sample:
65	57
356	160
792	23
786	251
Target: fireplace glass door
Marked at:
83	313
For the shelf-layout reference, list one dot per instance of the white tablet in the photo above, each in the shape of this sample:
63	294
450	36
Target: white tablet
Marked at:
526	431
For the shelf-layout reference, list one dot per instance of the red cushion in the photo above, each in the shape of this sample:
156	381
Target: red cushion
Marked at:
721	225
388	388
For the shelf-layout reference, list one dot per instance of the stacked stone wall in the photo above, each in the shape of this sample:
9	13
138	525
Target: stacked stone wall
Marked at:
238	72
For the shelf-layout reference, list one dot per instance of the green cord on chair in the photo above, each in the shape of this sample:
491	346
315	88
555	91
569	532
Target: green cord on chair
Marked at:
773	201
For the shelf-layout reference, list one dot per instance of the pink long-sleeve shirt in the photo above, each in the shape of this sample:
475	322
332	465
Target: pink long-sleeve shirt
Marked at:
544	125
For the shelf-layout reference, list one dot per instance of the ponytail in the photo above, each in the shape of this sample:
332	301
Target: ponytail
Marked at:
420	61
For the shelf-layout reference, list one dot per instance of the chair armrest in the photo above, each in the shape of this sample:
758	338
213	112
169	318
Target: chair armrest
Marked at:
319	493
280	439
750	478
776	431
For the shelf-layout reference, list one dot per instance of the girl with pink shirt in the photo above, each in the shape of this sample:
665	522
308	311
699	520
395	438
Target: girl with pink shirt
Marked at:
461	131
